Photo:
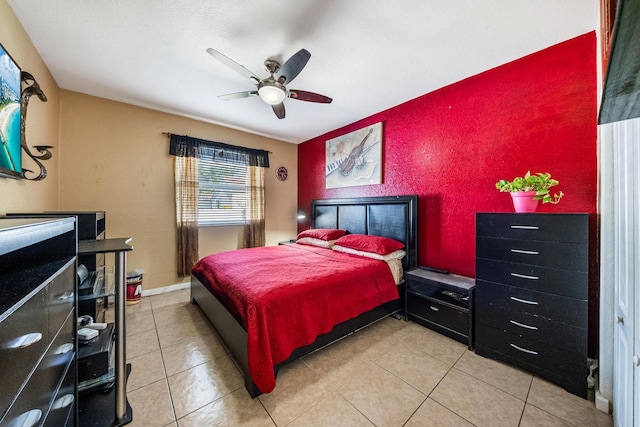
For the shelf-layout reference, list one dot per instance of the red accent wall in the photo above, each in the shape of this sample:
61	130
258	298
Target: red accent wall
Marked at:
450	147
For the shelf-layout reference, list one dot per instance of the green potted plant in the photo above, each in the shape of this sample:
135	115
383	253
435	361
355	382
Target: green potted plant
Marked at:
526	191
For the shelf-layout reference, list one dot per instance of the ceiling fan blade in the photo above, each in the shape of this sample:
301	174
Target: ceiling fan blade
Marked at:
279	110
292	67
237	95
233	65
303	95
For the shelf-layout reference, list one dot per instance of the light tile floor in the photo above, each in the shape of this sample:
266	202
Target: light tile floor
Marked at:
393	373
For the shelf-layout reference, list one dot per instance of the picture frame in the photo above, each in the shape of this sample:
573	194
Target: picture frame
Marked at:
10	116
355	158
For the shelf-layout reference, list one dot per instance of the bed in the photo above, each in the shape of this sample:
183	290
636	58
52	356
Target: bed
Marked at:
394	217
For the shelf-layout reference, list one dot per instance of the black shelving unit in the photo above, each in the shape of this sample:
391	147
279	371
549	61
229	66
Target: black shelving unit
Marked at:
103	399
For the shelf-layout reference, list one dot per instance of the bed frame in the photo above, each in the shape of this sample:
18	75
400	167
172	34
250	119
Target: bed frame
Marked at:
393	216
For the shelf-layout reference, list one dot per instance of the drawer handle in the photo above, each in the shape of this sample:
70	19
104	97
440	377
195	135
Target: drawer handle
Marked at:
65	296
434	308
25	341
522	251
524	301
524	276
522	325
524	350
64	349
28	419
63	402
525	227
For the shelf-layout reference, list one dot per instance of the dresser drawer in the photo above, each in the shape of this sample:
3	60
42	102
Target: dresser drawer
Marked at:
535	328
63	407
567	256
37	395
572	284
532	355
61	292
23	340
545	227
454	319
506	299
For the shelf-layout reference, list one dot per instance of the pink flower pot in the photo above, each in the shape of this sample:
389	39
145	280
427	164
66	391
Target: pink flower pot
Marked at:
523	201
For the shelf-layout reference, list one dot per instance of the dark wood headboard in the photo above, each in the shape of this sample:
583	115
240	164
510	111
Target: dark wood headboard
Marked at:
395	217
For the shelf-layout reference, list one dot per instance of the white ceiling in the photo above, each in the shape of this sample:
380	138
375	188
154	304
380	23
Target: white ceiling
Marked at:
368	55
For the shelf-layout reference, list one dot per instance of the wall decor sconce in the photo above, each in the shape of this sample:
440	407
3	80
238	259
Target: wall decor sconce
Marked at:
32	88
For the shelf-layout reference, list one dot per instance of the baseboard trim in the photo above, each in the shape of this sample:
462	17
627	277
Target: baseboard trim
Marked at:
602	403
165	289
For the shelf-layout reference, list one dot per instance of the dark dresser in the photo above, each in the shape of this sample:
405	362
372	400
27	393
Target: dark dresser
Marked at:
91	225
532	273
38	322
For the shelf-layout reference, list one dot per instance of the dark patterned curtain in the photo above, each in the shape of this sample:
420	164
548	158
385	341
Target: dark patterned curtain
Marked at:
186	154
232	154
254	231
187	151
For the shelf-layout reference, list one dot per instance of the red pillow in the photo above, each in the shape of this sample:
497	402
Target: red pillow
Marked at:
376	244
322	233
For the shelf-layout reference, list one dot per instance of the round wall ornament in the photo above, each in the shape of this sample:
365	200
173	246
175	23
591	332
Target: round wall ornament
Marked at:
282	173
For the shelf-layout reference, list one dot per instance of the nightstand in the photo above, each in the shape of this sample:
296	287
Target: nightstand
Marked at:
287	242
442	302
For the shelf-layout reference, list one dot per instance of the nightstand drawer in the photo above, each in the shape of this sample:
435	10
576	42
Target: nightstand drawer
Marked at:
544	227
454	319
431	290
533	252
507	299
568	283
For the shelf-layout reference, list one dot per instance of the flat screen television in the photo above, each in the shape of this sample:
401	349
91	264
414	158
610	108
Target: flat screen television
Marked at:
10	149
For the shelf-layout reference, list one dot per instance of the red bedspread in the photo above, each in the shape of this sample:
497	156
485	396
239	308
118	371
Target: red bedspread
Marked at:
287	295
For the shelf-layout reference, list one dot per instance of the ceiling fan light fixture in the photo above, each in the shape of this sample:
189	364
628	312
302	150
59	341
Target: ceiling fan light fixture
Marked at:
272	93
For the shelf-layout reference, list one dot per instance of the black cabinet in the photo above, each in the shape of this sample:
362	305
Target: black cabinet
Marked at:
443	302
532	273
38	321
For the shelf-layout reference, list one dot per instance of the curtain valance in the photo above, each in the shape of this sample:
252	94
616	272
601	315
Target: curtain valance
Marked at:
186	146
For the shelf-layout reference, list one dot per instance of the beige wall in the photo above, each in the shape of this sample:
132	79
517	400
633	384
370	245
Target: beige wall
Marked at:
116	159
41	125
112	156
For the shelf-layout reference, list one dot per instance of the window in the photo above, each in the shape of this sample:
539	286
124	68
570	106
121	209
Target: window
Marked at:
222	195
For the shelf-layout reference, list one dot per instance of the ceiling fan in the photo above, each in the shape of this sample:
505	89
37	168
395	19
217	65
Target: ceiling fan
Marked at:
272	89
